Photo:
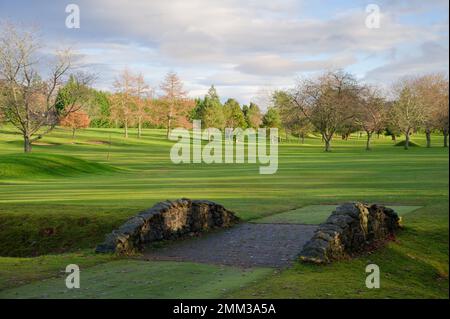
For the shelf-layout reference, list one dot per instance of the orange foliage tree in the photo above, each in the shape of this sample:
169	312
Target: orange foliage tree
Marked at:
76	120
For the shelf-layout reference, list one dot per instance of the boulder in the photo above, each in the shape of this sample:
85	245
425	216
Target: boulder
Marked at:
351	229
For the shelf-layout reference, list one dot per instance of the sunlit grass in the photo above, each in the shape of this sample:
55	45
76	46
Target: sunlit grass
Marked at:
316	214
83	190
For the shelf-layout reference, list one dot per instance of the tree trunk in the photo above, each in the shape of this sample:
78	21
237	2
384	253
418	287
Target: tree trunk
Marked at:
168	127
445	132
126	129
26	144
428	135
393	137
303	138
327	146
73	134
369	136
169	119
139	129
407	140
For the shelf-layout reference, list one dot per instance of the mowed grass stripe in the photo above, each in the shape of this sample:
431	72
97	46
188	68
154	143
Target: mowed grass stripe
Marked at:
145	279
83	207
316	214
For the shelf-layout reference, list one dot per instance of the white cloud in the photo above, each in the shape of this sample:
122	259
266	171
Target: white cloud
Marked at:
243	45
430	58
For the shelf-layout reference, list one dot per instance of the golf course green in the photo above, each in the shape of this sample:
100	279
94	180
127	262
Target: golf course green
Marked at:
58	202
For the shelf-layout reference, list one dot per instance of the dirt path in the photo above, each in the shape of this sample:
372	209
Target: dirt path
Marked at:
245	245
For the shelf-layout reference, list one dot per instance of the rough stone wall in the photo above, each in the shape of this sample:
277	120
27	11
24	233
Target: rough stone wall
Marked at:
166	220
351	229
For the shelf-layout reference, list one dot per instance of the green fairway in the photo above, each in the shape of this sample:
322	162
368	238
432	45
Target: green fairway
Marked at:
67	195
316	214
144	279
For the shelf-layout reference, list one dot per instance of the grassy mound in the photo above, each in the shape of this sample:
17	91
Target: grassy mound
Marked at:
47	165
411	144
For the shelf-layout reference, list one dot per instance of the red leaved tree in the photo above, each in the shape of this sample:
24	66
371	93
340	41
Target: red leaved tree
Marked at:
75	120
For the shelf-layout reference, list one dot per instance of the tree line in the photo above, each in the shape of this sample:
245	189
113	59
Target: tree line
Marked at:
34	104
333	103
336	103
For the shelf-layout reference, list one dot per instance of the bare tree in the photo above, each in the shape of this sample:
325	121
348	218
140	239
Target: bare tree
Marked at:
432	90
132	100
122	102
2	100
327	102
174	95
143	100
371	113
442	118
407	112
30	102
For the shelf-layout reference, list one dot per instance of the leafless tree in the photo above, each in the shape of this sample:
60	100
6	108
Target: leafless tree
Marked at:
407	112
30	102
122	102
174	95
327	102
143	101
432	90
442	118
371	113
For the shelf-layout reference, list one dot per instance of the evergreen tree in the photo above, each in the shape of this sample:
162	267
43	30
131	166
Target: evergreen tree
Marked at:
209	110
212	94
271	118
234	117
253	116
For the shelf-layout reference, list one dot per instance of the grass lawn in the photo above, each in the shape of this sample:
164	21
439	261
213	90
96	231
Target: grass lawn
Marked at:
143	279
16	271
316	214
61	200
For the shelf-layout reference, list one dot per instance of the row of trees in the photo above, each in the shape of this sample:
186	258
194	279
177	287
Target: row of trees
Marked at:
133	103
330	104
336	103
35	105
213	113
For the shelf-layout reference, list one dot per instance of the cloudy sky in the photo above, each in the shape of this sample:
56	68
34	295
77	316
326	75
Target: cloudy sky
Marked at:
244	48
